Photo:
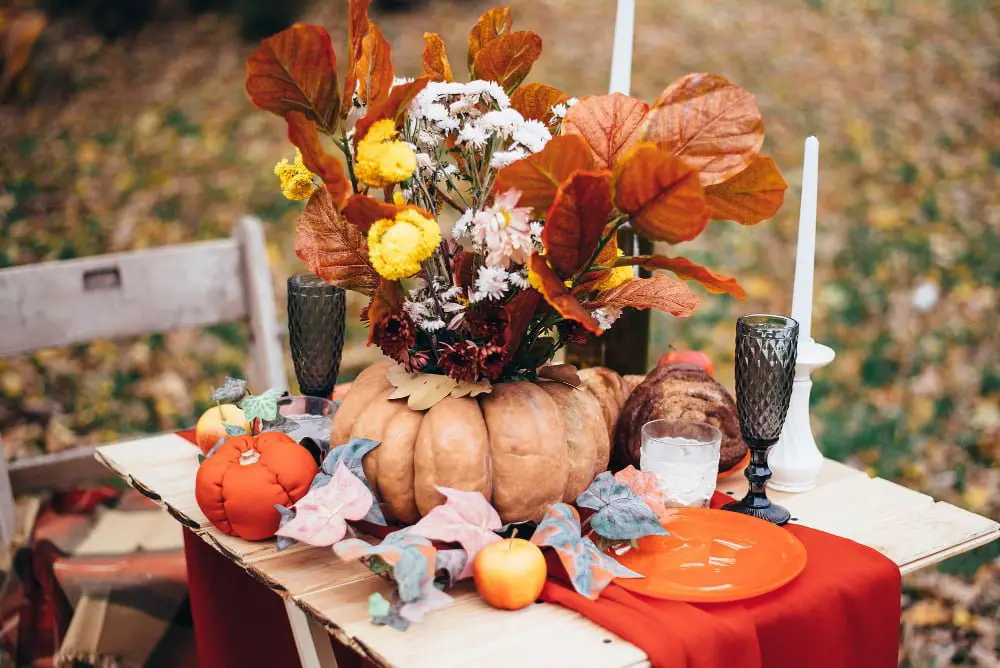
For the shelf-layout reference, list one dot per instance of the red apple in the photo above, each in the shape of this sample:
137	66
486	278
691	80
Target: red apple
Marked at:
695	357
209	429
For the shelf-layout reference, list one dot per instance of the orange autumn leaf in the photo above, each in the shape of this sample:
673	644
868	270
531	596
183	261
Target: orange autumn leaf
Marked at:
687	270
508	59
659	292
518	311
558	296
393	106
661	193
303	135
332	248
374	67
387	298
710	122
753	195
296	70
539	176
19	30
492	24
609	123
606	258
535	101
357	28
362	211
436	65
576	220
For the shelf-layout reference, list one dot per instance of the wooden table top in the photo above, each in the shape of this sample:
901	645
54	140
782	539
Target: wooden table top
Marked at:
908	527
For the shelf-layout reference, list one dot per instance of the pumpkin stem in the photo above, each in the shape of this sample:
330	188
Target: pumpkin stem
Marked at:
249	457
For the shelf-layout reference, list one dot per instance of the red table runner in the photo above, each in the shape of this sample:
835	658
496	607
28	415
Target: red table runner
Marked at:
843	611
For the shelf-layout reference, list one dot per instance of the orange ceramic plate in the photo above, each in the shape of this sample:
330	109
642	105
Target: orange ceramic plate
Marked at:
713	556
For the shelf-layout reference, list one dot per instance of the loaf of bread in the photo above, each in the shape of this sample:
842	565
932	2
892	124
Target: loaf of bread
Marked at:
677	392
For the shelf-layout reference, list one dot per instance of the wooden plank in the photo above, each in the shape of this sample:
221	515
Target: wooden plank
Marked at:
56	470
110	296
832	472
539	635
312	642
985	539
299	572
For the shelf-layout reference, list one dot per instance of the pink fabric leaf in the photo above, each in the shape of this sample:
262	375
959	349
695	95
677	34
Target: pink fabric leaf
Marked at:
321	515
466	518
431	599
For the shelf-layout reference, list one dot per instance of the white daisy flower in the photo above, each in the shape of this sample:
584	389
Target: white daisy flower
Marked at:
461	227
428	139
424	161
450	169
432	325
559	110
399	81
417	310
533	135
606	316
502	229
519	279
535	229
492	283
504	122
496	91
570	102
448	124
501	159
473	135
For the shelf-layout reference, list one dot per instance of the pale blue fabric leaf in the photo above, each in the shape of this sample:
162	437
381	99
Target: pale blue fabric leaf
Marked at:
450	563
621	514
287	514
378	606
232	390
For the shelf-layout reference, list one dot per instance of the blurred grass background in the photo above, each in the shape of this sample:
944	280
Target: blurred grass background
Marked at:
131	129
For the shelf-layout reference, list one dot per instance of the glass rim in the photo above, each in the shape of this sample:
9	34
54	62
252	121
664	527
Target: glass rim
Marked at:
716	432
310	281
286	400
752	320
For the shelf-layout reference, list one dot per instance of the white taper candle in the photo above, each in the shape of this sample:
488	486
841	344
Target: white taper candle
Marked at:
621	50
805	254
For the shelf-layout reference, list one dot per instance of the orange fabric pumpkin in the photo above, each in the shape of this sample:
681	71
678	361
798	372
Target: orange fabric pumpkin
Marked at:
238	486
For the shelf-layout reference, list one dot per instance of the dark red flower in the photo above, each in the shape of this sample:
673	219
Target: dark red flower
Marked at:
413	360
395	334
487	322
492	360
574	332
460	360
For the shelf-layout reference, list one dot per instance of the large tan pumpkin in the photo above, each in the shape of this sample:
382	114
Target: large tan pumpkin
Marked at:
524	446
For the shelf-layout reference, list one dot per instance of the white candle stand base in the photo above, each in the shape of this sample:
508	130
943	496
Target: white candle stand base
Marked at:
795	460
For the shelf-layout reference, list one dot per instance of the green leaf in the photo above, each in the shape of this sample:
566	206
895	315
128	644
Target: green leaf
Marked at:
377	605
234	429
621	514
263	406
231	392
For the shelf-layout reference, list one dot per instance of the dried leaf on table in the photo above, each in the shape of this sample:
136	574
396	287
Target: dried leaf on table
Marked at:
332	248
659	292
535	101
620	513
263	406
538	176
351	455
508	59
231	392
749	197
435	59
321	515
466	518
576	220
609	124
491	25
687	270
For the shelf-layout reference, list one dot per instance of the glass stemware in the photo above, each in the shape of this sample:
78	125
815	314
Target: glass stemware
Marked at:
316	318
766	347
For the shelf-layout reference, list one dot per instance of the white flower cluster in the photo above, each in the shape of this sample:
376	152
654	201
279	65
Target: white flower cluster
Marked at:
606	316
495	282
429	305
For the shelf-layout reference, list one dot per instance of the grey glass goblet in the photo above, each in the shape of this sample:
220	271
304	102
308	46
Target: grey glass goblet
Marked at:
766	347
316	318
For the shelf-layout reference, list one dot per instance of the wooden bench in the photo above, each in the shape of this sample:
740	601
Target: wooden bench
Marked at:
326	595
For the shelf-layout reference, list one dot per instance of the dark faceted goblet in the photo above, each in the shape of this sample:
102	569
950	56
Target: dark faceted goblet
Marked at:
316	317
766	347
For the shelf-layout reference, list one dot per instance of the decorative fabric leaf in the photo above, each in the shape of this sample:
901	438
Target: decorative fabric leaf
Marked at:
661	193
645	486
263	406
423	390
710	122
234	429
321	515
576	220
287	515
659	292
535	101
562	373
610	124
393	106
232	390
393	619
508	59
519	311
558	296
357	28
749	197
621	514
387	298
436	65
687	270
466	518
491	25
431	599
589	570
412	558
468	389
374	67
302	133
377	605
451	563
296	71
539	176
351	455
332	248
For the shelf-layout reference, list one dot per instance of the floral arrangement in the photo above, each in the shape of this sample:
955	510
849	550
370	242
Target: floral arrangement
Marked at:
482	218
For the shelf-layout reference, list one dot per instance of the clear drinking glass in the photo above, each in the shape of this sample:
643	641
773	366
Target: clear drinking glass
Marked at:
684	457
304	417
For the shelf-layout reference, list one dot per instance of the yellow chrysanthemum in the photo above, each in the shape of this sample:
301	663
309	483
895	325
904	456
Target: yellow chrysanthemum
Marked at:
397	247
535	280
296	180
383	160
617	276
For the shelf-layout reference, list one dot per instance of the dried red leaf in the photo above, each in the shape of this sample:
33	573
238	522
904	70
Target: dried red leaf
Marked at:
296	70
436	65
373	69
302	133
492	24
539	176
609	123
332	248
393	106
357	28
576	219
753	195
558	296
464	268
661	193
386	300
508	59
712	123
519	311
659	292
362	211
535	101
687	270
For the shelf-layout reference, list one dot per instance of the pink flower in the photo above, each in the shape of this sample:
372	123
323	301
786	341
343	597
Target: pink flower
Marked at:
503	230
